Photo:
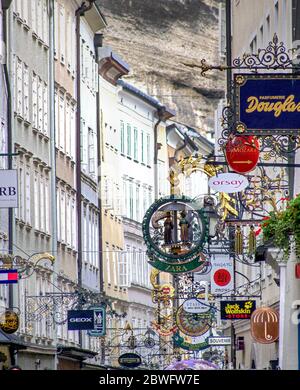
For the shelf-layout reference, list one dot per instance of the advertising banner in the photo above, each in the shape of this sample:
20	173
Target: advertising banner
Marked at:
237	310
267	104
8	188
80	319
221	274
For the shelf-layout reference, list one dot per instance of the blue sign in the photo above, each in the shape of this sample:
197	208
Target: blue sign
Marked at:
80	319
99	322
267	104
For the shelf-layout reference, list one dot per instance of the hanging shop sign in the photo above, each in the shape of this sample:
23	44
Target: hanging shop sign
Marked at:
237	310
242	153
228	182
130	360
221	274
8	188
175	231
267	103
99	322
193	324
8	276
9	321
195	305
265	325
198	343
219	341
80	319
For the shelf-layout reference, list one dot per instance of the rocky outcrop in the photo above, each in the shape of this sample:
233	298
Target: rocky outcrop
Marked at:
163	41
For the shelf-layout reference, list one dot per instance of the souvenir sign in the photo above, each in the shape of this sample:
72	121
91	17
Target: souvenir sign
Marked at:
237	310
9	321
267	104
265	325
221	274
175	230
228	182
219	341
242	153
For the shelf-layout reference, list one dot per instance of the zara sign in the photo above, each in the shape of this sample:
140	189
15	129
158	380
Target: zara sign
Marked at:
228	182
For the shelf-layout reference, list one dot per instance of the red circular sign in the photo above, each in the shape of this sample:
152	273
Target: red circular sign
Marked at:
222	277
242	153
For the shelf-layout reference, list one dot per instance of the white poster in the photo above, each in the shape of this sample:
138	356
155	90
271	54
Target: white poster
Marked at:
8	188
222	274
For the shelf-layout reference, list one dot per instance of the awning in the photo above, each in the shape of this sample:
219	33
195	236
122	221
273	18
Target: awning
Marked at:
75	353
11	340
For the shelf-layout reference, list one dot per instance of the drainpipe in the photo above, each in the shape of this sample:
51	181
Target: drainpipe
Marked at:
9	139
53	158
79	12
98	43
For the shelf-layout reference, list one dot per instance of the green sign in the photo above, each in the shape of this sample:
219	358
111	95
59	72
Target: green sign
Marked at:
180	343
176	268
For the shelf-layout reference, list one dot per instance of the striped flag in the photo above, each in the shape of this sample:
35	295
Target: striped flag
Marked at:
8	276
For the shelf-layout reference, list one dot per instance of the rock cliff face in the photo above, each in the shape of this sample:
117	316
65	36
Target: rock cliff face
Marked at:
161	40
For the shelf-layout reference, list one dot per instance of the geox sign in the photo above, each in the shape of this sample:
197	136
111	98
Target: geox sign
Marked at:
80	319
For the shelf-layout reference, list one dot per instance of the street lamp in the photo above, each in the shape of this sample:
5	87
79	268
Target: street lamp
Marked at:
209	208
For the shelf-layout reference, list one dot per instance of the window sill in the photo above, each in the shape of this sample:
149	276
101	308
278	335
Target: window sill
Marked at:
129	158
26	27
20	222
20	118
26	123
136	161
28	227
34	35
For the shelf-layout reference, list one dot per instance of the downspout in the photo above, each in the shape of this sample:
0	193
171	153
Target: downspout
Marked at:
78	13
156	192
53	159
9	145
100	246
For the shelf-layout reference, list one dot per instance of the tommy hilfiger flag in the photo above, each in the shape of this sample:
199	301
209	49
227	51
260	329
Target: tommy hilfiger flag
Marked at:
8	276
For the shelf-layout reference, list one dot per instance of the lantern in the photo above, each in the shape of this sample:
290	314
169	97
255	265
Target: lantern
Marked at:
265	325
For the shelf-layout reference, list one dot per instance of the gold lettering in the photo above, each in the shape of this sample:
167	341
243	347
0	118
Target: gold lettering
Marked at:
288	105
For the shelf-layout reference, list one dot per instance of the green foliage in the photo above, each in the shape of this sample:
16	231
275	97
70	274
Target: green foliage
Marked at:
283	228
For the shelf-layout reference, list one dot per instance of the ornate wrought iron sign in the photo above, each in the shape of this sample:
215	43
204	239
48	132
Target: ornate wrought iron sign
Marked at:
9	321
267	103
175	230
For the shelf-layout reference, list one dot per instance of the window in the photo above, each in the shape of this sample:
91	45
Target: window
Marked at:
62	33
135	156
72	132
83	145
276	13
26	92
40	105
27	196
68	132
45	32
45	109
108	272
148	149
123	274
19	88
137	203
74	224
63	215
122	137
61	122
69	219
128	140
91	151
33	16
131	200
114	264
34	100
47	216
36	201
134	265
42	204
142	145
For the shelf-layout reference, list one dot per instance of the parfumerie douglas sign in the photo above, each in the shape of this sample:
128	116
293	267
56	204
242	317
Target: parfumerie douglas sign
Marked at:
8	188
267	103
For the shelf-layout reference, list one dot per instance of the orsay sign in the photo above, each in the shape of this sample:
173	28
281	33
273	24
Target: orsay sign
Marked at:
267	103
228	182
